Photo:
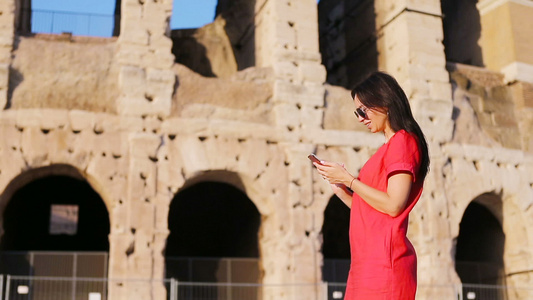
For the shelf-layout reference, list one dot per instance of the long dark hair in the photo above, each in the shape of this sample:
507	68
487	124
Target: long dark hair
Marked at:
382	91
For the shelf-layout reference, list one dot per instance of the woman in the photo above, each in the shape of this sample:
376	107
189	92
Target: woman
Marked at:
383	261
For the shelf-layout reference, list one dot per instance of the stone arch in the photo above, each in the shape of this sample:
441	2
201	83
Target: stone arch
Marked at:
52	170
34	207
226	249
479	250
336	243
239	180
61	172
517	231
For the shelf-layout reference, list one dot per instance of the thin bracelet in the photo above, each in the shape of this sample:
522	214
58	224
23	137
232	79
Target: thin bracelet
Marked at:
351	183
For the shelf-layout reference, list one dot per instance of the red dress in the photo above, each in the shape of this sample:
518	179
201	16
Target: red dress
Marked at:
383	261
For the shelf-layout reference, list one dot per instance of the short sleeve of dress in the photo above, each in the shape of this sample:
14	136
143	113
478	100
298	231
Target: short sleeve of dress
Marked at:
402	154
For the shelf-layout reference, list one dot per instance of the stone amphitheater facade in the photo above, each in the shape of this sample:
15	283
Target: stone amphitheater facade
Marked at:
140	118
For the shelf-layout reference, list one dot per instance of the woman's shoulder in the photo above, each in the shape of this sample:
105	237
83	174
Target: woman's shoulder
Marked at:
402	134
403	138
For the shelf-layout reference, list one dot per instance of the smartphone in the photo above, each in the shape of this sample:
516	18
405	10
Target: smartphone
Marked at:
313	158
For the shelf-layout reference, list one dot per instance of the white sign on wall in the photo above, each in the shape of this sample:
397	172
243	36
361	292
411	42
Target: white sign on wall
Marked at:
64	219
95	296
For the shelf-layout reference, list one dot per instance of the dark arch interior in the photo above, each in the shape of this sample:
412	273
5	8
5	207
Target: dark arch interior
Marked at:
480	245
348	40
27	216
336	243
462	31
210	221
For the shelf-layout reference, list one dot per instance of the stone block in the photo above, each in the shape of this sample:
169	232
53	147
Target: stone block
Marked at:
34	146
3	97
307	37
160	59
144	145
286	116
29	118
119	243
286	70
440	90
4	75
311	72
386	10
133	34
130	123
54	118
308	94
161	216
140	106
193	155
132	81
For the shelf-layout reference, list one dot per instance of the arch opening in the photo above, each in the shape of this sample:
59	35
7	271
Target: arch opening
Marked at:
462	31
479	249
336	242
213	235
51	220
348	40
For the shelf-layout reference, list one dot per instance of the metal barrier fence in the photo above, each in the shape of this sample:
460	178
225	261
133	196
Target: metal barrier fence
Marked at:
495	292
249	291
63	288
57	288
54	263
213	269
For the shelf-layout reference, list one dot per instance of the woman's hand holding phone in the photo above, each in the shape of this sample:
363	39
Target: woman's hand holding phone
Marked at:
314	159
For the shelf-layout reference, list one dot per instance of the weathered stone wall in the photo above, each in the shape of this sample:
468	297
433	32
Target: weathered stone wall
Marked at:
157	127
505	37
46	62
7	34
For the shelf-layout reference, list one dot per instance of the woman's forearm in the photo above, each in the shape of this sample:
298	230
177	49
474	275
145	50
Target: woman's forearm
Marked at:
391	202
345	195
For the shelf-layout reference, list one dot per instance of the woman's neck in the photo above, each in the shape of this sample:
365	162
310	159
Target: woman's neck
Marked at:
389	133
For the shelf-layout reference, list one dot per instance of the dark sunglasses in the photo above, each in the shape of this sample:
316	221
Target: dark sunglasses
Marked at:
360	113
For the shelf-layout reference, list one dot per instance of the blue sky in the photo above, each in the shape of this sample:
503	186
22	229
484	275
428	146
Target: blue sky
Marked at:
71	15
58	16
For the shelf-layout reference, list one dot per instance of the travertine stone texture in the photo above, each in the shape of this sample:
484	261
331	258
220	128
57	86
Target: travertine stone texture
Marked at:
7	35
506	30
91	86
206	50
141	128
145	78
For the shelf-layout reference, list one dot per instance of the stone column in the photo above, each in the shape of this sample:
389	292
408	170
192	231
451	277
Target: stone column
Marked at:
7	35
145	58
410	45
146	84
506	31
287	41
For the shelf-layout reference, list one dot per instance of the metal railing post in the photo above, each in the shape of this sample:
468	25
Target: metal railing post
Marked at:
8	285
325	290
175	288
74	271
